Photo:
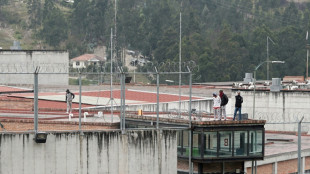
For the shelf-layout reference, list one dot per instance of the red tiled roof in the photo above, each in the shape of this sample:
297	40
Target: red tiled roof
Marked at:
86	57
129	94
11	89
291	78
139	96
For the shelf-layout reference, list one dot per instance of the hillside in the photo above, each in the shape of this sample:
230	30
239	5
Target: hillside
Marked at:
225	38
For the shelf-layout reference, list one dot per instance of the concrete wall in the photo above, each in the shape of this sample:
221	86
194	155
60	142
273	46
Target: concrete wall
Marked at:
278	107
281	163
203	105
20	61
136	152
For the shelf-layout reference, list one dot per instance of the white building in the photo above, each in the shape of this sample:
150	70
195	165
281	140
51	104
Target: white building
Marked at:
17	66
85	60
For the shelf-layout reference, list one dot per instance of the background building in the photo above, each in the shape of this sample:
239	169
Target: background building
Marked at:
17	66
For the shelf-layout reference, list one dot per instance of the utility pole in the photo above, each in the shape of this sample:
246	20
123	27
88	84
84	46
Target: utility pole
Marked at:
268	38
307	46
299	146
111	101
180	58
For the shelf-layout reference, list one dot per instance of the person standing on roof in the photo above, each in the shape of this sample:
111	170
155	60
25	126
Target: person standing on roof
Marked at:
216	106
69	97
224	101
239	101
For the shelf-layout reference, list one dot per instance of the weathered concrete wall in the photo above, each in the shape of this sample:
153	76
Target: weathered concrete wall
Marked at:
20	61
136	152
281	163
278	107
203	105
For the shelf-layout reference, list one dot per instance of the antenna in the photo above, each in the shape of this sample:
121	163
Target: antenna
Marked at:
112	101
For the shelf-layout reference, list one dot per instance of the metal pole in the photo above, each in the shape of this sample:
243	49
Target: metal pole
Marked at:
307	46
115	12
254	94
190	98
180	57
252	168
267	59
111	76
121	105
268	38
157	98
134	72
36	99
299	146
190	120
80	101
255	167
190	152
124	98
307	63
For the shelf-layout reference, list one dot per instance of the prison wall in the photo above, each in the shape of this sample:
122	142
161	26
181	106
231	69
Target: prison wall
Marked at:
201	105
134	152
278	107
17	67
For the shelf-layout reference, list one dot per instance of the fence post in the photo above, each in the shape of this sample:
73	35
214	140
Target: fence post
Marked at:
36	73
121	104
190	121
157	99
124	98
299	146
80	101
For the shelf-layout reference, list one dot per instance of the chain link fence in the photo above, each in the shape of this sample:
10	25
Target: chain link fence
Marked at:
103	100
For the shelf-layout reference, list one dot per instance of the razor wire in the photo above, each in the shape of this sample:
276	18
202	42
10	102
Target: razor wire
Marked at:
171	66
149	67
30	68
279	117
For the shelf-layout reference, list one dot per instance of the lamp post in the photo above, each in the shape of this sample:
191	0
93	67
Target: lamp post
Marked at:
268	38
255	81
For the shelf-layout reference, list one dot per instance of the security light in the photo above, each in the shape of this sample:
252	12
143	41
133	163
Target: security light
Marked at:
40	137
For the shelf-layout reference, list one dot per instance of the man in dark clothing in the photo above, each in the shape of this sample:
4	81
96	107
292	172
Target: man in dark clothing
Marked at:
224	101
69	97
239	101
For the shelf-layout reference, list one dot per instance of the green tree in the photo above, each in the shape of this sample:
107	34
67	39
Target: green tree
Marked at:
2	2
35	13
55	27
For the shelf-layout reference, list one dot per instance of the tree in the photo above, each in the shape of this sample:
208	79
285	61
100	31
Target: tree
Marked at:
54	25
3	2
35	13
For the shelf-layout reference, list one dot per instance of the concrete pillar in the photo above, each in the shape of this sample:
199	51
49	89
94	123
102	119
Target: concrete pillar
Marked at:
303	164
275	168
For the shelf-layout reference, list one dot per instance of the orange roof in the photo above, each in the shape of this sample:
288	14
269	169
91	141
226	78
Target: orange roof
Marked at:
291	78
87	57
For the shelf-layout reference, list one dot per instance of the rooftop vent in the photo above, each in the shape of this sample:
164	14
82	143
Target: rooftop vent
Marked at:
248	78
16	46
276	85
